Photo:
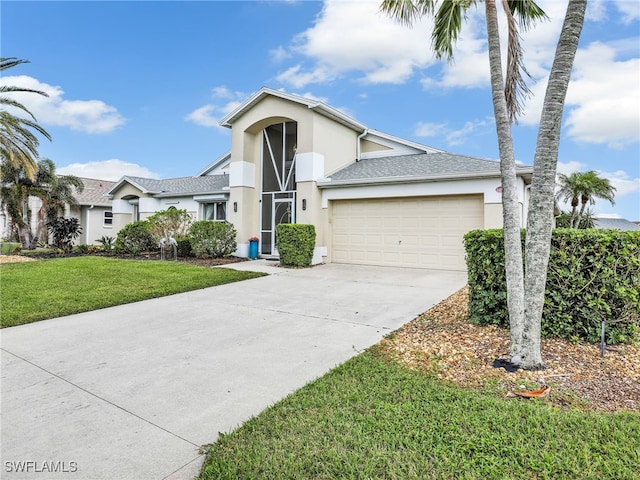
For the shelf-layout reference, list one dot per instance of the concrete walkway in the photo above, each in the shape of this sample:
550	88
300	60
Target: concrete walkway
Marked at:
132	392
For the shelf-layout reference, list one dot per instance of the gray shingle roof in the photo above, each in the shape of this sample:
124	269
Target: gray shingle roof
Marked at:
93	193
615	223
182	186
419	166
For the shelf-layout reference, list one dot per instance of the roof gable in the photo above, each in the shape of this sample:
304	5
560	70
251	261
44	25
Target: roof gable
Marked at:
315	105
174	187
218	166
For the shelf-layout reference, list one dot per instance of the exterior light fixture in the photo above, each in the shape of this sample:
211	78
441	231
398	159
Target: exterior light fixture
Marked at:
235	206
304	204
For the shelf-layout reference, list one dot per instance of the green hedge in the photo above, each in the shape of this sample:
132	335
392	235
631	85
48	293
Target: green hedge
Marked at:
593	275
135	238
211	239
295	243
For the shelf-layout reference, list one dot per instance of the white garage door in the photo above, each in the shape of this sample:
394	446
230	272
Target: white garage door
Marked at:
422	232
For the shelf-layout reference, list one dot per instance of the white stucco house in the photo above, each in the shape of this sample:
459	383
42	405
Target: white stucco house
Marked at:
93	209
373	198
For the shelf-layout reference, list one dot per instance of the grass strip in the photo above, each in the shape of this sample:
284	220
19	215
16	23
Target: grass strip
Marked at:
373	419
33	291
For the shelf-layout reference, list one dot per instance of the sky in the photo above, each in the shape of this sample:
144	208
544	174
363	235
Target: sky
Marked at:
138	88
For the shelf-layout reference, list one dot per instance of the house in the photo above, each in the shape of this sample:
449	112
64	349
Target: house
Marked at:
615	224
205	196
373	198
93	210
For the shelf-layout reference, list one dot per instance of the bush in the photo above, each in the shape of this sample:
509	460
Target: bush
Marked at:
64	231
210	239
593	275
106	243
169	223
184	247
295	243
135	238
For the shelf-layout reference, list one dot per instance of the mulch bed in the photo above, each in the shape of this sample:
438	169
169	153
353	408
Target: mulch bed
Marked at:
204	262
444	342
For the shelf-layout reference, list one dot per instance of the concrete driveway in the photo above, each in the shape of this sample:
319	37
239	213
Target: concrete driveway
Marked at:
132	392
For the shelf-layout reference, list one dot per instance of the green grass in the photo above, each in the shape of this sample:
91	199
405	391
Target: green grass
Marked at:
32	291
373	419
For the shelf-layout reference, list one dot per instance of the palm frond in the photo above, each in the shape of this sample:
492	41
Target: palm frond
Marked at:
448	23
407	11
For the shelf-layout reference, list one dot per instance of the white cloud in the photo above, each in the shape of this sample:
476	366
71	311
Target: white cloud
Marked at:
427	129
279	54
209	115
451	136
107	170
90	116
205	116
630	10
568	168
357	37
603	98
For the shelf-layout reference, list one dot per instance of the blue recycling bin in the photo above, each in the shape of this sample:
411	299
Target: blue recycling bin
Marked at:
253	249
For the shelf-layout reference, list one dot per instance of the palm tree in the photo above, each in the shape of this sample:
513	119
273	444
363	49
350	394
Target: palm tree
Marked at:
18	144
53	191
524	325
582	188
507	97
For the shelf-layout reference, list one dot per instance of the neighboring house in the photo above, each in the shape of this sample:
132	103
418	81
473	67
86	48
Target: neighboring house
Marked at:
205	196
373	198
615	224
93	211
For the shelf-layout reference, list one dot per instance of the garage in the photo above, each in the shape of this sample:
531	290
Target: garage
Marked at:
419	232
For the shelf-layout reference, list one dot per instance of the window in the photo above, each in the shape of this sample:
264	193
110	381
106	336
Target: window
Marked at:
108	218
214	211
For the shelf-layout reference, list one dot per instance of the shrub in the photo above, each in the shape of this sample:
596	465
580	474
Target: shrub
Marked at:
135	238
106	243
295	243
210	239
169	223
64	231
593	276
184	247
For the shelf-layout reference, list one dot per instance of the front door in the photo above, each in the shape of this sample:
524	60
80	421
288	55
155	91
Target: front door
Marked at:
278	198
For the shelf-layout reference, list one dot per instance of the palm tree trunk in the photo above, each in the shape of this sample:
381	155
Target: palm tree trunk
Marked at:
540	220
510	205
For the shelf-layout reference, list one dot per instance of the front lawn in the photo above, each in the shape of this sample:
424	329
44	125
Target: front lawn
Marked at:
373	418
33	291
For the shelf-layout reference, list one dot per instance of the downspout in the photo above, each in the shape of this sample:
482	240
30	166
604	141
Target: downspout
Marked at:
525	205
86	235
358	144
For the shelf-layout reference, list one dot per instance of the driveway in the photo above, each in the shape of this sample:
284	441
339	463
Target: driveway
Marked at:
134	391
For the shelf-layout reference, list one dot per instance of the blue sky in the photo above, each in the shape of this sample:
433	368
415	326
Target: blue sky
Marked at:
137	88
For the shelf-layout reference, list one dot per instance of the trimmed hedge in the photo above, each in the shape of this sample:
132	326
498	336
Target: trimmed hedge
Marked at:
295	243
210	239
593	275
135	238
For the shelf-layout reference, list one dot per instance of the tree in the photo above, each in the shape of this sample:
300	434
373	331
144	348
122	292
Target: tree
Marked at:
54	191
507	94
582	188
18	144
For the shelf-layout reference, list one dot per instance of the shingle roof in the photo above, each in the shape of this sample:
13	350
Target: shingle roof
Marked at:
94	192
615	223
181	186
419	166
